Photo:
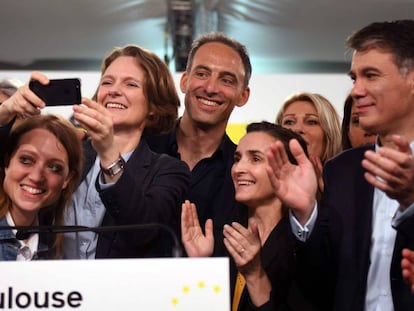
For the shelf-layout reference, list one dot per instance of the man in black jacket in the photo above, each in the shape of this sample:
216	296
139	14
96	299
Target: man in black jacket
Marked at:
215	82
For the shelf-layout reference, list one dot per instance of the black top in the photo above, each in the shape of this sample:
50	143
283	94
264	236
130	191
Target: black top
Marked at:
211	187
342	238
150	190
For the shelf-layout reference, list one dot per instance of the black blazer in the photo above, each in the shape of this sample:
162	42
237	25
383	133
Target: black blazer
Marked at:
278	260
343	235
151	190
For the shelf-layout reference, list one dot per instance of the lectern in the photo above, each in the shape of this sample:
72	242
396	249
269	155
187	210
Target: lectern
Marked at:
157	284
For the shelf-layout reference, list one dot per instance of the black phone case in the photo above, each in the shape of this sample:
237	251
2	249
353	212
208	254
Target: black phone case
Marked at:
59	92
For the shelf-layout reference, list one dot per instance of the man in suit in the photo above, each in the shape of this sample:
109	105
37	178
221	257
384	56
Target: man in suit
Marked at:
366	216
216	81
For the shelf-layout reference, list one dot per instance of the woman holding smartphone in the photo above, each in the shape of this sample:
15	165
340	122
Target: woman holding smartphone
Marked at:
124	182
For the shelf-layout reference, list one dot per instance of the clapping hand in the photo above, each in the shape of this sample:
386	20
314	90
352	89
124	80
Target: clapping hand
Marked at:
196	244
295	185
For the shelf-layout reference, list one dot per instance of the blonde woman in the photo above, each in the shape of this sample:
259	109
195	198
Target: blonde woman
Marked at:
313	117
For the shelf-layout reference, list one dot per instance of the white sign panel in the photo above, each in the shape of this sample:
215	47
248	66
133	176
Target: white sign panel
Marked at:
116	284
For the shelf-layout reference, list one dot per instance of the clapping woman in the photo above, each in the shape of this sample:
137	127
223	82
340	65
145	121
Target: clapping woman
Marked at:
260	245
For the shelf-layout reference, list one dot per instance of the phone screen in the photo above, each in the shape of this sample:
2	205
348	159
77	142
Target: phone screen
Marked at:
59	92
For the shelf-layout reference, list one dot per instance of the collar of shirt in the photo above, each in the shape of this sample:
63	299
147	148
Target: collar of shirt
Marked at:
28	248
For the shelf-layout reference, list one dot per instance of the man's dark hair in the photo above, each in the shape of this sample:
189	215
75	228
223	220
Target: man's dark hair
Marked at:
280	133
230	42
396	37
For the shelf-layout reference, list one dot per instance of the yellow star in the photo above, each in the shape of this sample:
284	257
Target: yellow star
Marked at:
174	301
186	289
217	289
201	284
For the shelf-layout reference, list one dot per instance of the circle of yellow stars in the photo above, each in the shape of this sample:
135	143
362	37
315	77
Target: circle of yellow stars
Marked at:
186	289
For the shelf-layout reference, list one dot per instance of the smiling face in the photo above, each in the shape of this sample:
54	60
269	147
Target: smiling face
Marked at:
251	182
37	173
302	117
121	91
383	97
214	85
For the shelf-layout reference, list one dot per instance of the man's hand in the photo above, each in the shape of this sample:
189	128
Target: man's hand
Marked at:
392	170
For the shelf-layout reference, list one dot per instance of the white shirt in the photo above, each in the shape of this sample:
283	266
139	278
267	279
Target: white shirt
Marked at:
87	210
378	296
28	248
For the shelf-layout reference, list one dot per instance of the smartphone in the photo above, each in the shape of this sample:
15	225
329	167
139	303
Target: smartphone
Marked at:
59	92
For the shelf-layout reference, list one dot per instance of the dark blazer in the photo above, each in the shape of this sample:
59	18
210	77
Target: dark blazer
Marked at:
345	228
278	260
276	256
150	190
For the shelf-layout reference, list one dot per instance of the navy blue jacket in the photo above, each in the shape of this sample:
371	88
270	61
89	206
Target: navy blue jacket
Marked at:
342	238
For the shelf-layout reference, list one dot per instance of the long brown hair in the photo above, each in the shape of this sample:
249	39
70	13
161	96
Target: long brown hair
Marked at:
65	132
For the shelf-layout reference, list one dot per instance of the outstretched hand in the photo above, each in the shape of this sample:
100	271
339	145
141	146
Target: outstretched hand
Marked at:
244	246
23	103
392	170
196	244
295	185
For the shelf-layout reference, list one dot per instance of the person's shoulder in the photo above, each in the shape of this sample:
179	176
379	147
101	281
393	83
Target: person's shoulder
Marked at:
346	163
166	164
162	143
227	146
157	162
164	160
350	155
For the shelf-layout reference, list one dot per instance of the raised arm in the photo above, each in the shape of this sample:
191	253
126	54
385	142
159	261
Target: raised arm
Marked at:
295	185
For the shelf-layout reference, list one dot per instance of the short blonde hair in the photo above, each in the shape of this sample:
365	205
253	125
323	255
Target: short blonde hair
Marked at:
328	117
